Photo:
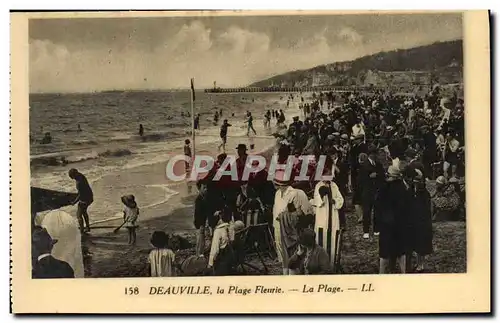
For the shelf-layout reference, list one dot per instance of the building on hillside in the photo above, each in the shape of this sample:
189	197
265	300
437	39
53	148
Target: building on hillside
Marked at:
320	79
399	79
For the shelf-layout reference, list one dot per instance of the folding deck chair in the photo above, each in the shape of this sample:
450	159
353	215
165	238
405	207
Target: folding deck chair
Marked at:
244	247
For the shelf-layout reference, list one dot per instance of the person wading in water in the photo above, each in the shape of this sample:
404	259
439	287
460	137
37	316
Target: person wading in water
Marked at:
250	124
223	135
84	199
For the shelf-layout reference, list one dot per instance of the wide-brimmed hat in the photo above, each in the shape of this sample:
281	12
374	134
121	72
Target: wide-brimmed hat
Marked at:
441	180
280	178
159	239
241	146
419	176
238	225
42	238
344	136
129	200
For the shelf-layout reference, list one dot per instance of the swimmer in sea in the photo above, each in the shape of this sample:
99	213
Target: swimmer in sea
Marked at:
197	122
267	119
216	117
141	130
223	135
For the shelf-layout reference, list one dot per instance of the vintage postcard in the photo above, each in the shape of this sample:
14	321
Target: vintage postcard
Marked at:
250	162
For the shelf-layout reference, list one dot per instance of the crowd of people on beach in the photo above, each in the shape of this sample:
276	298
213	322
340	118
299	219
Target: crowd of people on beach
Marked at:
397	160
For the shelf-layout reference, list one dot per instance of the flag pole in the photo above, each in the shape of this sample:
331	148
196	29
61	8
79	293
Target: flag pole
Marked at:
193	139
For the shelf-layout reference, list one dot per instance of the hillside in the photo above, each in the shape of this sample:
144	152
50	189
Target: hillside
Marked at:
440	62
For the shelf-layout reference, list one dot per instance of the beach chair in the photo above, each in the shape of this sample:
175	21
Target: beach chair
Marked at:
243	249
260	240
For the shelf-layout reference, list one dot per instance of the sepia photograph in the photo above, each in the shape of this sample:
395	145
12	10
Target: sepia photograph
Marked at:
216	145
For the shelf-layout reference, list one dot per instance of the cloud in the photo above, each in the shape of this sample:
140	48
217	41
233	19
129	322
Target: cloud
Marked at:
233	57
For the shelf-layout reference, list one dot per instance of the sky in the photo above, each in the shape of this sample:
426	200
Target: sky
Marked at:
95	54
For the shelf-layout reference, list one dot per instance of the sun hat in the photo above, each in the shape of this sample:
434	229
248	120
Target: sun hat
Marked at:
441	180
419	175
280	178
129	200
239	225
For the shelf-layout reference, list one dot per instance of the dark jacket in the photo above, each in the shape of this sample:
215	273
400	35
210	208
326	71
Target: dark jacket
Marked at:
394	203
204	209
370	186
430	149
421	222
342	178
416	164
50	267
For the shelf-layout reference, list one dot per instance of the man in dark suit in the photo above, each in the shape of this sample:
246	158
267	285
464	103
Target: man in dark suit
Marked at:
371	176
358	147
45	265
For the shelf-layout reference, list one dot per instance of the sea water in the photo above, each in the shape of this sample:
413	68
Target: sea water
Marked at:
108	140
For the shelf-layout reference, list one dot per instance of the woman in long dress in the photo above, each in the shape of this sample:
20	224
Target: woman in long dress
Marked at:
63	227
327	202
422	214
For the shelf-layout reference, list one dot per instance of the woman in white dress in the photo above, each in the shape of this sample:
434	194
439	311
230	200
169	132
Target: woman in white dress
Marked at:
63	227
327	202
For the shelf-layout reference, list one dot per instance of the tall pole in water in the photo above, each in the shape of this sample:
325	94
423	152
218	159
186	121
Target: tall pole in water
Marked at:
193	136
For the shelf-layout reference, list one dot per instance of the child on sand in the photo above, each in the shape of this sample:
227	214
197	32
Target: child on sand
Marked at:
161	259
130	215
